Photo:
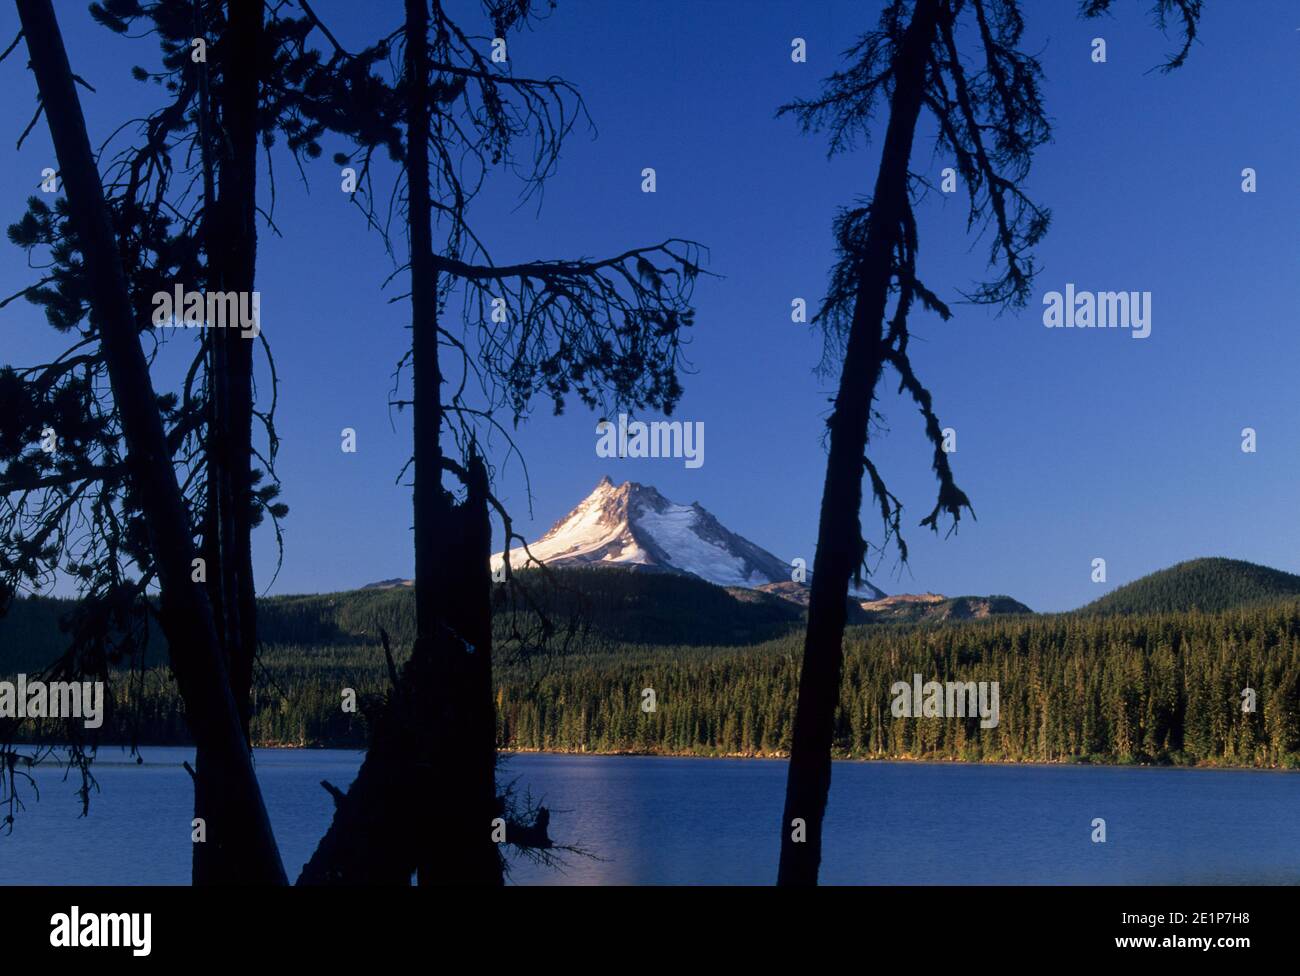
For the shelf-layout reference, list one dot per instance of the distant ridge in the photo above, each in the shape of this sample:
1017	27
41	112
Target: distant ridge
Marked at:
390	584
934	607
1208	584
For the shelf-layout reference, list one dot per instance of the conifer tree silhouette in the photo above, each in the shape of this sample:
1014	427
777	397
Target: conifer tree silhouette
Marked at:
606	331
990	119
199	661
183	201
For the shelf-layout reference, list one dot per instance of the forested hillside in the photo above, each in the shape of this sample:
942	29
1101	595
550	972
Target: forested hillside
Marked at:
601	606
1208	585
598	608
1156	688
1159	688
1096	685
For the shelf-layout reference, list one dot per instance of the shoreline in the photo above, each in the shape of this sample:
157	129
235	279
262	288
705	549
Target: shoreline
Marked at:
911	760
761	756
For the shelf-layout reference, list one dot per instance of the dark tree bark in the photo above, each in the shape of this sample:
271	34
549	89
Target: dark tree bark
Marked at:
426	794
198	662
418	785
839	533
460	688
430	500
238	199
231	246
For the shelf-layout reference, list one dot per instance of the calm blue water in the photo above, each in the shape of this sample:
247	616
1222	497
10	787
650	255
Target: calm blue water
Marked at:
666	821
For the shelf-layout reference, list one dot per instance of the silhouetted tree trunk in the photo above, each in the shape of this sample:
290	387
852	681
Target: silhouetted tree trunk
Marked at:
462	687
235	810
990	117
230	240
426	794
839	533
431	766
451	572
429	499
424	798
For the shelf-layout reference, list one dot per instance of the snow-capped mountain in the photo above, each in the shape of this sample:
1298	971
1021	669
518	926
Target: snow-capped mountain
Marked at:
633	526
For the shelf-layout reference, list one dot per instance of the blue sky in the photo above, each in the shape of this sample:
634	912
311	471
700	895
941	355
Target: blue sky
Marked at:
1071	444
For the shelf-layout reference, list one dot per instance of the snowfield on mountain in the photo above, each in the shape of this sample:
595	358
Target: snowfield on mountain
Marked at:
633	526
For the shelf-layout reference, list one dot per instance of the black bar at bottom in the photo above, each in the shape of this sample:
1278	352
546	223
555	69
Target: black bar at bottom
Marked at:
197	927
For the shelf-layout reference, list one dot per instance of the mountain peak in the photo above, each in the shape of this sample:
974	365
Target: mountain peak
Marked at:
633	526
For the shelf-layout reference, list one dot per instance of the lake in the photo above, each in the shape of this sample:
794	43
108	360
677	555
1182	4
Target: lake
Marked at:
682	821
